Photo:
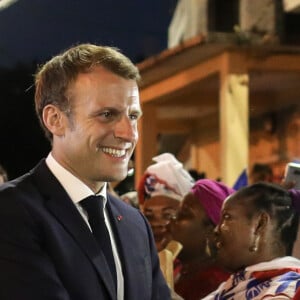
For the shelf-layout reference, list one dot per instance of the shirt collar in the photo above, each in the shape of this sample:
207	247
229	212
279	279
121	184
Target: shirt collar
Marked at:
74	187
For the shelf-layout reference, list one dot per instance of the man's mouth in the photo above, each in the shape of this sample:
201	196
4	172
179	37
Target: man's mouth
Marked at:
114	152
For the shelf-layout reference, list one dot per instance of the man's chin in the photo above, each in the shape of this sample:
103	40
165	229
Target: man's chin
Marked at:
115	177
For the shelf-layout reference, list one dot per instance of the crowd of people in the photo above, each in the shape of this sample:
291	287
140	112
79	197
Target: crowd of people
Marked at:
235	244
65	233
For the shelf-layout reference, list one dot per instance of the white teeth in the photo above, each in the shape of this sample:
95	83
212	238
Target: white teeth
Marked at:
114	152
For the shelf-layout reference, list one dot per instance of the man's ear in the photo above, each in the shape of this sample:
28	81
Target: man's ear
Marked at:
54	119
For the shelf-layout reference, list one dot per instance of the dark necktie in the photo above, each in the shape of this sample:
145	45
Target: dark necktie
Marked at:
94	208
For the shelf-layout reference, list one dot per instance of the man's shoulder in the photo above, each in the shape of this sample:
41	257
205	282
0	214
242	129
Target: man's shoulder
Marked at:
20	186
15	185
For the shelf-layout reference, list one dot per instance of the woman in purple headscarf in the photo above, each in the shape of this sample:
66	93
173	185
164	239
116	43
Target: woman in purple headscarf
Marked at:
194	226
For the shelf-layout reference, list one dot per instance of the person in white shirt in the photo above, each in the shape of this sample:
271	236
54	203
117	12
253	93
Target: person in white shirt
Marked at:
87	101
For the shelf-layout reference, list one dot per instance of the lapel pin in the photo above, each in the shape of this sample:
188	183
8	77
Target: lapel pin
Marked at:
119	218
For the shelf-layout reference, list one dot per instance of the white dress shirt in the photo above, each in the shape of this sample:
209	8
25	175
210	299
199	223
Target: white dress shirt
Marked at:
77	191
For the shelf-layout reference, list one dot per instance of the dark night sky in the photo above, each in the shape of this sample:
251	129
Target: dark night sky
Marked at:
32	31
41	28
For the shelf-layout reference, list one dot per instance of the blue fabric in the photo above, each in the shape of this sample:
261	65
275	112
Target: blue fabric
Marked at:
241	181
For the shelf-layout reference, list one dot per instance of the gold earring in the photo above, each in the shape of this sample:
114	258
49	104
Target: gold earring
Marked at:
254	247
207	248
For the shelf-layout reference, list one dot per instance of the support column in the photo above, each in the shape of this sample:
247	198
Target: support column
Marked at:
234	120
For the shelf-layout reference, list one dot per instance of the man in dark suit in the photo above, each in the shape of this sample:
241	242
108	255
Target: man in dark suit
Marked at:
87	101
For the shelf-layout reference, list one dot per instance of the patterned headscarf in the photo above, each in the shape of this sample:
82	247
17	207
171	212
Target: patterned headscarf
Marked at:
166	177
211	195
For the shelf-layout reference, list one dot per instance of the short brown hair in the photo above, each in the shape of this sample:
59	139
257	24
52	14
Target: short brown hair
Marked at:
54	77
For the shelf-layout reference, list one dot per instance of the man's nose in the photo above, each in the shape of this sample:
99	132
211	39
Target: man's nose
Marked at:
126	129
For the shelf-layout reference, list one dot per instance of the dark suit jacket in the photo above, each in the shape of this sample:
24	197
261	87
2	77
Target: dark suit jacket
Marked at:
48	252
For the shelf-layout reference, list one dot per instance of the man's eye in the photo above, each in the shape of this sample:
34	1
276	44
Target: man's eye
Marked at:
134	116
107	114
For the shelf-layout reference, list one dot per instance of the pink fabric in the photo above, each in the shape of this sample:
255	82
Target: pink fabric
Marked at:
211	195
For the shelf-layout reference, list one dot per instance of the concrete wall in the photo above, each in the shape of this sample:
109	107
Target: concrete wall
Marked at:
191	18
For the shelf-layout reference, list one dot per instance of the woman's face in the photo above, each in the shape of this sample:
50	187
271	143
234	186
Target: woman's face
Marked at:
235	235
191	228
159	211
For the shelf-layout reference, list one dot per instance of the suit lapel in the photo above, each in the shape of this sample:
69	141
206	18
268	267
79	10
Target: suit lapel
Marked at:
62	207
